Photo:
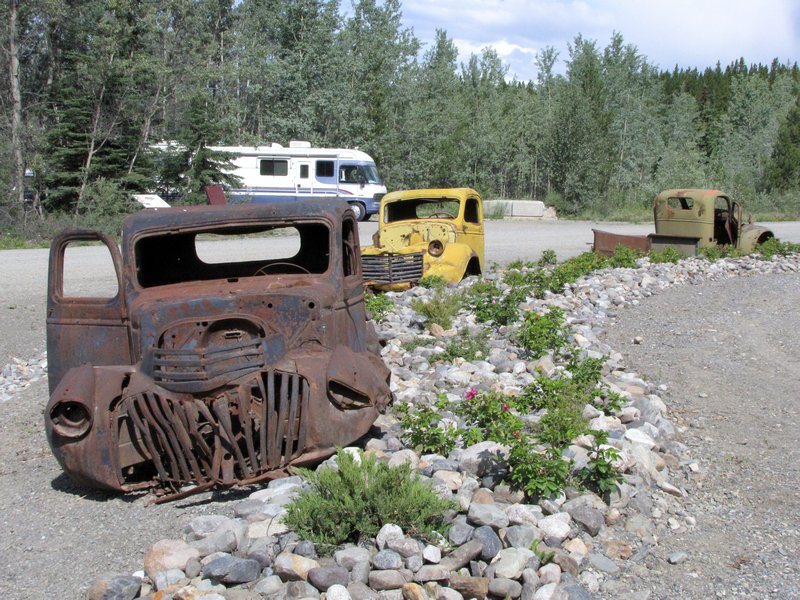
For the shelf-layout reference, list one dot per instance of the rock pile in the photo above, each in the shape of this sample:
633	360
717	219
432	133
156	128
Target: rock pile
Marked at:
499	544
20	374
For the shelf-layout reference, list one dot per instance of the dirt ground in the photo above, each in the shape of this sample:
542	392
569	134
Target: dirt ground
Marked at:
729	355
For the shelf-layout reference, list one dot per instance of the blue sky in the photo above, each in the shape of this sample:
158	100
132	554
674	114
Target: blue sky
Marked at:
689	33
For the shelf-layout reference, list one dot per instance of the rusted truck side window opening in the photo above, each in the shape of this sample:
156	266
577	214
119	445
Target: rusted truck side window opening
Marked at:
681	203
423	208
349	248
98	282
170	259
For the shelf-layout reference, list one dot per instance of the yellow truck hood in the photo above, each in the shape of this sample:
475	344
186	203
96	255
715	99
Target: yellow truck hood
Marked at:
411	235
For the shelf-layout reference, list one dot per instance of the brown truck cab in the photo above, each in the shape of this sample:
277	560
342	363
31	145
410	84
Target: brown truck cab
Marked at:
212	364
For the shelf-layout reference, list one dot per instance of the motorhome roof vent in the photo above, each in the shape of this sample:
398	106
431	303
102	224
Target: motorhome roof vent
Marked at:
299	144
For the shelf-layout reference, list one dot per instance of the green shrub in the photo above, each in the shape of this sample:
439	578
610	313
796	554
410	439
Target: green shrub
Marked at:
599	474
774	247
490	305
537	473
518	263
489	416
440	309
469	346
548	258
539	334
562	424
572	269
353	501
423	429
625	257
434	282
378	305
667	255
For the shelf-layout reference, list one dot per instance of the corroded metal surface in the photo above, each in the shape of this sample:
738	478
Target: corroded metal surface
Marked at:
688	220
201	374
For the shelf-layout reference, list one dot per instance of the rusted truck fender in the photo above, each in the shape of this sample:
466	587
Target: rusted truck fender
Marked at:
753	235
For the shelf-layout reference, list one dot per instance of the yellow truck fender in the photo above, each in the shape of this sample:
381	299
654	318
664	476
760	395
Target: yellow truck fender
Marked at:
451	265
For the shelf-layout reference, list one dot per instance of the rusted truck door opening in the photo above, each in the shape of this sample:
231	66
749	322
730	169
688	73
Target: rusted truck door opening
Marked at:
87	320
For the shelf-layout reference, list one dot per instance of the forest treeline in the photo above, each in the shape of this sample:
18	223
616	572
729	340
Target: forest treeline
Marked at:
92	85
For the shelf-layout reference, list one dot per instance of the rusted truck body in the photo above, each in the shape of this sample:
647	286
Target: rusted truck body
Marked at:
426	232
688	220
206	370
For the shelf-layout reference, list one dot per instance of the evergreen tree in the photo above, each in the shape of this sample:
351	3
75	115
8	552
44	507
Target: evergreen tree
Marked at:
783	168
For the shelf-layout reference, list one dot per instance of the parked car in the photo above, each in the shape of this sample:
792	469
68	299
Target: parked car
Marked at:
205	369
425	232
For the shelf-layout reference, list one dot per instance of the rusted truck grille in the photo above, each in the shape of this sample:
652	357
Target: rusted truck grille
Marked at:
392	268
231	438
200	370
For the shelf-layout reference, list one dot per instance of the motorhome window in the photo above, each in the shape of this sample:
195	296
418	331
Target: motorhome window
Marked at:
274	168
233	253
303	171
324	168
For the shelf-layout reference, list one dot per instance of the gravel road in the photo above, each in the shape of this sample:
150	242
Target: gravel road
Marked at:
727	352
730	357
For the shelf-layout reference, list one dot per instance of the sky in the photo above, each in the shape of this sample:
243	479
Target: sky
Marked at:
687	33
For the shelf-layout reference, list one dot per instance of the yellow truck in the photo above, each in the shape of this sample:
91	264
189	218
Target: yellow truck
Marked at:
688	220
425	232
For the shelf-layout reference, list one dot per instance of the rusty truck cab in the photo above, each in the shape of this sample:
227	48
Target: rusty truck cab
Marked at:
236	345
710	216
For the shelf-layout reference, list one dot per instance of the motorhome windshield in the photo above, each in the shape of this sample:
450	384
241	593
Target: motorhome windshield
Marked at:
350	173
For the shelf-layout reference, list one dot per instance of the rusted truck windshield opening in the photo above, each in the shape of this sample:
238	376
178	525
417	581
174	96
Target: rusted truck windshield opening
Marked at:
422	208
253	251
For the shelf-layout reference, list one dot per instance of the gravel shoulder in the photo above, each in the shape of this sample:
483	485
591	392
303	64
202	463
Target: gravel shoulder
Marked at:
730	358
726	350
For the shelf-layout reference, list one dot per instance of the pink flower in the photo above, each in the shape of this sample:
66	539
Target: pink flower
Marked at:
505	407
471	393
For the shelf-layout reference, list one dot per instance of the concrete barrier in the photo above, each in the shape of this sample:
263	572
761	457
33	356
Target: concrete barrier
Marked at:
522	209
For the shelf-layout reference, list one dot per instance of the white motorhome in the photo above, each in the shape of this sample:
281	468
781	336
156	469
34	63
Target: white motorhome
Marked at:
277	174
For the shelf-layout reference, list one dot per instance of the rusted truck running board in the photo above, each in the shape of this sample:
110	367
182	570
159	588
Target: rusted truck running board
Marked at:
606	242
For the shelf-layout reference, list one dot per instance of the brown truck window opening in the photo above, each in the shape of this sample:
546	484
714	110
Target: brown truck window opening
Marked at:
181	257
349	248
79	282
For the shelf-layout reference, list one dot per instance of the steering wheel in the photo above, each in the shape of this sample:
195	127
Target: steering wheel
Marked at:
297	268
440	216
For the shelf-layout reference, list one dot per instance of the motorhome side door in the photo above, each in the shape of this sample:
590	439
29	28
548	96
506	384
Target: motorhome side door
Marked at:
303	180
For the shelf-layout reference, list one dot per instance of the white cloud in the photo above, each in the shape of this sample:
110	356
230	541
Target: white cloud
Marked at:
690	33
